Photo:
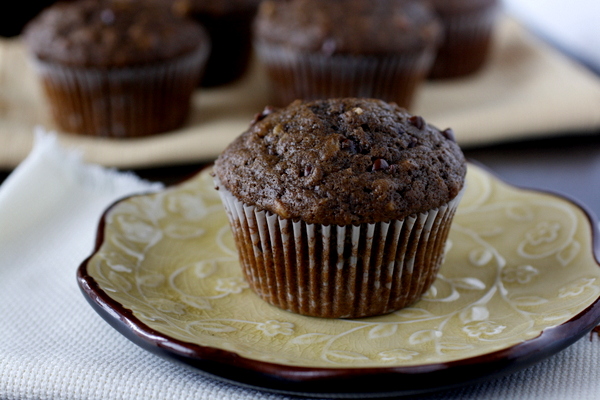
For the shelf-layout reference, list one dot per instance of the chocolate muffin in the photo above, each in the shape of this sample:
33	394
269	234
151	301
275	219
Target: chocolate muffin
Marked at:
323	49
468	27
116	68
228	23
341	207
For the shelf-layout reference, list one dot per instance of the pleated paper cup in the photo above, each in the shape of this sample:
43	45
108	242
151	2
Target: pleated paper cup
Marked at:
299	75
122	102
467	42
339	271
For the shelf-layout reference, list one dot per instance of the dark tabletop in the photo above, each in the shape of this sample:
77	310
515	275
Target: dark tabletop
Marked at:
569	165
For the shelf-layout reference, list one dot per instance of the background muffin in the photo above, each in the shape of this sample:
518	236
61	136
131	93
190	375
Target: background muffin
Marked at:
340	208
116	68
323	49
468	27
228	23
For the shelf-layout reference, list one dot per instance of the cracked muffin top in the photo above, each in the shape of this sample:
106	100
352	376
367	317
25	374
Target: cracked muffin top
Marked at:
342	161
349	26
111	33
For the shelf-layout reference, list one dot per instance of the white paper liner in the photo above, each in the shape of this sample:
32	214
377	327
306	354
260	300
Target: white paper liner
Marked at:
338	271
296	75
122	102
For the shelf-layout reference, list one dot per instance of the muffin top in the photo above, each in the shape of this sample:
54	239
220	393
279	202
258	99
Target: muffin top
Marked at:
348	26
111	33
342	161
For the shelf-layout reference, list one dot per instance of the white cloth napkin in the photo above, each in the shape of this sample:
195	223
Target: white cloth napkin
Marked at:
54	346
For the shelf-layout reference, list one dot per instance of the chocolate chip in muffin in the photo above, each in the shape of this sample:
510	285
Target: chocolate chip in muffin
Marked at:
283	153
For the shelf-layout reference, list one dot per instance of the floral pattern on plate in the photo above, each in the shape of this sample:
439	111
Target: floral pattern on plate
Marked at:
517	262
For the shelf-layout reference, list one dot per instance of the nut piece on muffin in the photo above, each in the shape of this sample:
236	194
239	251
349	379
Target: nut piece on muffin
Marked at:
341	207
116	68
468	27
314	49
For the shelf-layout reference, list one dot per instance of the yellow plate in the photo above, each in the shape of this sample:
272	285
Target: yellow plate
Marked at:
520	282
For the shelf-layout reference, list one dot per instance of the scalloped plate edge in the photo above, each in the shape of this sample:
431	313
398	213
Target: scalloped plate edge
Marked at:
343	382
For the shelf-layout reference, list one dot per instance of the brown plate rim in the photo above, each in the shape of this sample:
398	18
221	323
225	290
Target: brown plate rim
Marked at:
343	382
